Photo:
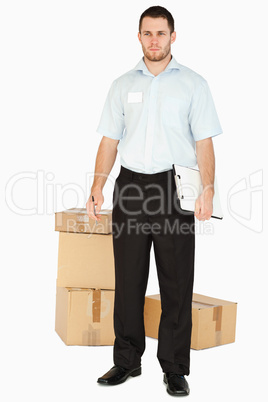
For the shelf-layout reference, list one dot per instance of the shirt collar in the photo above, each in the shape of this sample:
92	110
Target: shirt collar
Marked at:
141	66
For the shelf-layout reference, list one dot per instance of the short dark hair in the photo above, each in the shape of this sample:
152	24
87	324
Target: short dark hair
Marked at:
158	12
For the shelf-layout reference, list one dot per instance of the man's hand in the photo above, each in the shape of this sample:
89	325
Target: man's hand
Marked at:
204	204
98	201
104	162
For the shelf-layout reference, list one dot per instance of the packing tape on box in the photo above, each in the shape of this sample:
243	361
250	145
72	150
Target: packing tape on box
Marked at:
92	336
217	317
96	305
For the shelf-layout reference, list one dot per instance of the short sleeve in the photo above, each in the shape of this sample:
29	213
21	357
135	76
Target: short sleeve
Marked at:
203	117
112	122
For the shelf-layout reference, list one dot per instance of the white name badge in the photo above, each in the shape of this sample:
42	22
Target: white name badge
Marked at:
134	97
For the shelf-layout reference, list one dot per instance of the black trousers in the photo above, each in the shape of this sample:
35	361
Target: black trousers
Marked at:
145	212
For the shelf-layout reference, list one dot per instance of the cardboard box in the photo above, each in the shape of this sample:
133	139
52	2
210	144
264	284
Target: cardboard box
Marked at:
85	316
76	220
85	261
213	320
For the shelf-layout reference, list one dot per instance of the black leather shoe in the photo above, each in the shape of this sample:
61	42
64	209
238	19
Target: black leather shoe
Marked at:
176	384
117	375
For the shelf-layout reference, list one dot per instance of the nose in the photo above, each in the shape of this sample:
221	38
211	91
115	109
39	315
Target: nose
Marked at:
154	40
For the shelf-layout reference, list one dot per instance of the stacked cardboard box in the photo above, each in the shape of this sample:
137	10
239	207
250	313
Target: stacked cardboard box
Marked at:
86	282
85	278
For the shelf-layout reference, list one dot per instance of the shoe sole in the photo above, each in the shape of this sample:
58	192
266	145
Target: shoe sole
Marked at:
134	373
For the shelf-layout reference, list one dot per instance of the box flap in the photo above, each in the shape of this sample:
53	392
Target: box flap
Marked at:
76	220
83	211
210	301
155	297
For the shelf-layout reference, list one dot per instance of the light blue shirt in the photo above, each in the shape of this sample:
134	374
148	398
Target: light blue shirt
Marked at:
159	118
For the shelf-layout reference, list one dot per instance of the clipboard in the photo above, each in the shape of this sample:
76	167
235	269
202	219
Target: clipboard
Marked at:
189	187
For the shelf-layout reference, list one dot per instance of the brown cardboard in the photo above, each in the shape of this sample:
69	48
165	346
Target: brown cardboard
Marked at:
85	261
213	320
76	220
85	316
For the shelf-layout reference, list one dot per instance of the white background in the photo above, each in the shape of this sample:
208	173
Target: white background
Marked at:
58	59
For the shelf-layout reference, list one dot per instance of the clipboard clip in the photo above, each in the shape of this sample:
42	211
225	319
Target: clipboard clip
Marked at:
179	186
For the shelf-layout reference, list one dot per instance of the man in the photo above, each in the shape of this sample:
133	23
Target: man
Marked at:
155	115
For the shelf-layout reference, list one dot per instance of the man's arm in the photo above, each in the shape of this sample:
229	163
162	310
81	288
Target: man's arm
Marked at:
105	159
206	163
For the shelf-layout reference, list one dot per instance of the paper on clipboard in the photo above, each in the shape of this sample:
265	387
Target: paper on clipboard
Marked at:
189	187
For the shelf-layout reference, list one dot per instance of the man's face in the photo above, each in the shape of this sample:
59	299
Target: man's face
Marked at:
155	38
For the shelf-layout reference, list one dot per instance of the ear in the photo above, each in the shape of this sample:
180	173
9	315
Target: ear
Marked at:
139	36
173	37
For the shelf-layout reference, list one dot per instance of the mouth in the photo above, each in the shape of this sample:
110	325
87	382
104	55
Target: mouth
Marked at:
154	50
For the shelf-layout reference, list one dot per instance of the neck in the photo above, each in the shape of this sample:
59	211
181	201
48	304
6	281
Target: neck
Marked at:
157	67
